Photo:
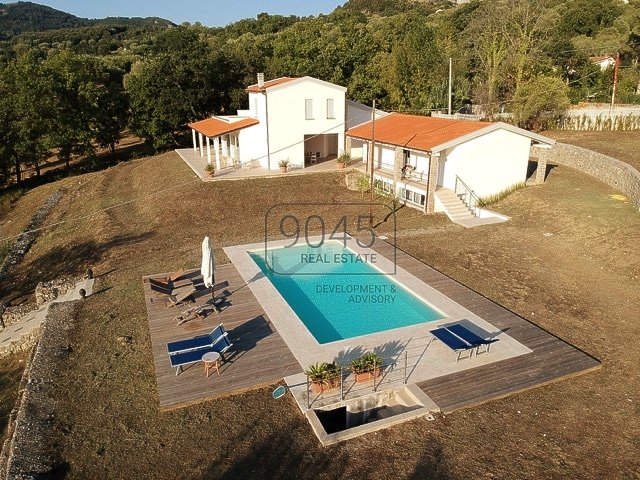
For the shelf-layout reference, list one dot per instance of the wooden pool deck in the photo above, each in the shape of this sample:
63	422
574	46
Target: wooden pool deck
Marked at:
552	359
259	355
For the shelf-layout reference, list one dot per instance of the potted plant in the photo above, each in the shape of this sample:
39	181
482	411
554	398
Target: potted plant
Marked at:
323	376
283	164
210	169
343	160
367	367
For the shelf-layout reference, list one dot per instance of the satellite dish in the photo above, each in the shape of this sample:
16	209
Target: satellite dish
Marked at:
279	392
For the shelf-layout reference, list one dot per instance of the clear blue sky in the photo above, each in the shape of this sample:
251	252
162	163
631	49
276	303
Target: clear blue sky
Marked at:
213	13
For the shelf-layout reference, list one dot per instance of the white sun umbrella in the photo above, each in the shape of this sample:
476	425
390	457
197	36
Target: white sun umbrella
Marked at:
208	264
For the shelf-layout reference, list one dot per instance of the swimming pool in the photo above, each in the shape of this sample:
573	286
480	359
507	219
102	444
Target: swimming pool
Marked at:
338	293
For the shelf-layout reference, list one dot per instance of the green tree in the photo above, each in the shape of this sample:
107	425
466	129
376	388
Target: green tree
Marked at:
32	111
539	102
185	81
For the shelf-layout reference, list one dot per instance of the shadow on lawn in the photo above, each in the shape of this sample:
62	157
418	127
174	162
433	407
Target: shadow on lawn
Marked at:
63	260
286	455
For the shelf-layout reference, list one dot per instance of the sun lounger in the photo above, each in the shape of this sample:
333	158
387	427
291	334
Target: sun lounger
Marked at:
195	343
172	277
190	313
160	287
470	337
180	295
455	343
178	360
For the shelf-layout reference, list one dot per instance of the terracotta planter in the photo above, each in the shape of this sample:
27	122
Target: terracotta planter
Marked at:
341	166
326	386
283	169
366	376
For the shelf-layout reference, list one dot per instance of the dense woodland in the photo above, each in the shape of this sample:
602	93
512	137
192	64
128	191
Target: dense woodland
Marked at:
67	91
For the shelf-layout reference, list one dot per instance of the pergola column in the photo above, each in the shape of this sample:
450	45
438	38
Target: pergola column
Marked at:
225	145
208	150
200	141
193	136
216	147
232	146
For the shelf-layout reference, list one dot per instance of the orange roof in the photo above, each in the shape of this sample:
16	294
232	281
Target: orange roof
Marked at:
213	127
417	132
270	83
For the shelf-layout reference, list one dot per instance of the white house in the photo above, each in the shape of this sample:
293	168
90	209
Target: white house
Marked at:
603	61
301	120
425	160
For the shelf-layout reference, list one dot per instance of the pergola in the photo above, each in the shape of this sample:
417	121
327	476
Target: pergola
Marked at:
223	131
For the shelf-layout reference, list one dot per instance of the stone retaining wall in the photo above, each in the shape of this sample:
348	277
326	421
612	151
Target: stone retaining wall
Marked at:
26	239
28	451
613	172
44	293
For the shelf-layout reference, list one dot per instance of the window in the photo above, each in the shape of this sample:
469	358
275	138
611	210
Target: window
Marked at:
308	109
330	113
406	156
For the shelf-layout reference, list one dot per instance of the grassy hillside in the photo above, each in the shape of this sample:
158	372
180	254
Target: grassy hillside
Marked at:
107	421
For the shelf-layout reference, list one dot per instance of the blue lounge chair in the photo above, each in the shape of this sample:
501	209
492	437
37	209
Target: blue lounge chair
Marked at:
468	336
221	345
196	343
452	341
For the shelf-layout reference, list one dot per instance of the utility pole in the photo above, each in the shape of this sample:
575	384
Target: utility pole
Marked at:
450	77
616	68
371	146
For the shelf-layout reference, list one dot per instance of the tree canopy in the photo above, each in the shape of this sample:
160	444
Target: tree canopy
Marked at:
70	90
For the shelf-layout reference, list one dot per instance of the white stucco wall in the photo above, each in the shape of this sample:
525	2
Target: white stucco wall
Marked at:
253	140
287	123
487	164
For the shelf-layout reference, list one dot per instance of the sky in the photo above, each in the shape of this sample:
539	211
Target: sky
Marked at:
212	13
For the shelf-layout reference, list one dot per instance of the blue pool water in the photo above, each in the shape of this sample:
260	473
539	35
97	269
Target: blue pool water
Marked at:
339	295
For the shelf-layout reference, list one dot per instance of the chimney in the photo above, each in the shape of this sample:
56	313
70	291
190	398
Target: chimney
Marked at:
260	80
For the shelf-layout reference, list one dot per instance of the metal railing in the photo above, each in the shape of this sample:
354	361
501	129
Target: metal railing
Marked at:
345	371
468	196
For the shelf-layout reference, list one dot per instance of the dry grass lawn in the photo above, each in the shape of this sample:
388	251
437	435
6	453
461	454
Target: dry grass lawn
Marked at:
582	283
620	145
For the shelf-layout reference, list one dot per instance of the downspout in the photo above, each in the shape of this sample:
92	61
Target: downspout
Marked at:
266	111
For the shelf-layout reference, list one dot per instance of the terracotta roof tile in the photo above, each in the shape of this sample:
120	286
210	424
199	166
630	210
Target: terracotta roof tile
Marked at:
417	132
270	83
213	127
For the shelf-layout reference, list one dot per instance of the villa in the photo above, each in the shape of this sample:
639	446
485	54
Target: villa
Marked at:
434	164
431	164
298	120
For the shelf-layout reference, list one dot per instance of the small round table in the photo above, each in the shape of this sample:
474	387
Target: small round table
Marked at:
211	360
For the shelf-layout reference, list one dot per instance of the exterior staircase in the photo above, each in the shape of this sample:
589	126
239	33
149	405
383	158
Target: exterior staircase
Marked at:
458	212
454	207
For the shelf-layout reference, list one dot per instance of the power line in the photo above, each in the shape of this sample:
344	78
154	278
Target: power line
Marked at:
168	189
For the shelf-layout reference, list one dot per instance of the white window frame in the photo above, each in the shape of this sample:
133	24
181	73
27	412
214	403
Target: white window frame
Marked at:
308	108
331	113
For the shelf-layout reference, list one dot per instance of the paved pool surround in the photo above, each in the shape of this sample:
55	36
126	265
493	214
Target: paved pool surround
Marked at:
427	359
